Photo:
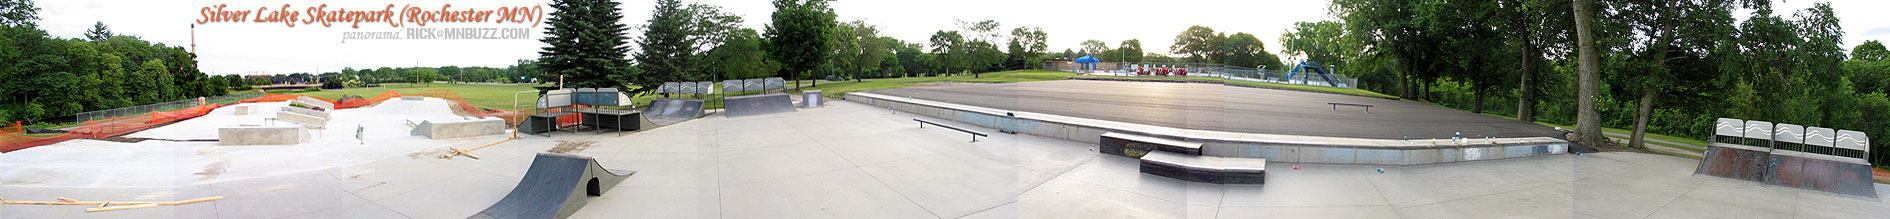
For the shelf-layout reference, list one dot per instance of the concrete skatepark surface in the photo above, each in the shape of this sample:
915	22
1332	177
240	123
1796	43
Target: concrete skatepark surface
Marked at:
171	160
852	161
1229	108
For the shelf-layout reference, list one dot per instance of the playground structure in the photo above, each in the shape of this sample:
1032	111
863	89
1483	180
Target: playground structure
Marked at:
1313	67
1788	155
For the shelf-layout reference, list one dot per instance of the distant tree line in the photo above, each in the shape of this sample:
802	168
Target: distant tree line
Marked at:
49	77
1662	66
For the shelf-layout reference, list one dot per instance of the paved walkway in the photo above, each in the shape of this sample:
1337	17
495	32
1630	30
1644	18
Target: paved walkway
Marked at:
1623	139
853	161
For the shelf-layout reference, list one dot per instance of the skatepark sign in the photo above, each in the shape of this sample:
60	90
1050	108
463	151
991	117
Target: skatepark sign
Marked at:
393	15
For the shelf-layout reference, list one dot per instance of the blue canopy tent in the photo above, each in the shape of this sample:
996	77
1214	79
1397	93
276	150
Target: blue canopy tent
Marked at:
1089	63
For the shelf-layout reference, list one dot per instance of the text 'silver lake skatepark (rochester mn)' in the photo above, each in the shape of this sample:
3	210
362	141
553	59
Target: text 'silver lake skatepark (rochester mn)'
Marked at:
553	109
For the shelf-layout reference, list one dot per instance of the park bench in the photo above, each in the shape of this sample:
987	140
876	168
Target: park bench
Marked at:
974	134
1335	106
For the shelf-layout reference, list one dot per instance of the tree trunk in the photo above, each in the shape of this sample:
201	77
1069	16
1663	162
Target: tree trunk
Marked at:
1640	122
1477	102
1526	102
1587	119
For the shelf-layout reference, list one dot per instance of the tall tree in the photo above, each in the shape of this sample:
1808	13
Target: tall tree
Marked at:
18	12
1094	47
709	28
1587	118
668	48
98	32
741	57
587	46
1131	50
1321	42
799	37
1197	42
1031	43
1871	50
949	49
1671	30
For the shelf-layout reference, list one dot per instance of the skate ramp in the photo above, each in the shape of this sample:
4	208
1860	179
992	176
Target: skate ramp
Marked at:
752	105
662	112
555	186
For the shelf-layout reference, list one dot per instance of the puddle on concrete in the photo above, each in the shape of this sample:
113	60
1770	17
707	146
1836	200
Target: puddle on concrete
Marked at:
566	147
213	170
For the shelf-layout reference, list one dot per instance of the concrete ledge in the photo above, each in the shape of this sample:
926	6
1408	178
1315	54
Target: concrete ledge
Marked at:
312	102
273	135
241	110
305	111
1273	147
459	129
317	122
413	98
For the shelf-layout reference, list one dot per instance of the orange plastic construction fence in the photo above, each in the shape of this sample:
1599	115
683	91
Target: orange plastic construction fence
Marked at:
14	138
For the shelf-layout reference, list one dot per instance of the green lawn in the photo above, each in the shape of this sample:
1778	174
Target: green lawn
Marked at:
1631	133
1322	89
479	95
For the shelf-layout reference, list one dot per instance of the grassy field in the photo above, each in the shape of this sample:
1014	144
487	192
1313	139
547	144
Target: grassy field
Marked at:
1631	132
1323	89
479	95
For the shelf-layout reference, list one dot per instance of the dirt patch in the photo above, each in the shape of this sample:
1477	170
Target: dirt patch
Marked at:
419	154
948	83
213	170
566	147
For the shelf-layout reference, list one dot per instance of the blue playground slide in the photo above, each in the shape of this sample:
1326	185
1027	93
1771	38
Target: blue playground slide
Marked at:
1313	67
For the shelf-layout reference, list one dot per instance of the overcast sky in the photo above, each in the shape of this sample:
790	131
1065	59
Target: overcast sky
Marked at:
272	48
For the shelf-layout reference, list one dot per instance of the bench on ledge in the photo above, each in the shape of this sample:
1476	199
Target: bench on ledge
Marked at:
1207	169
1335	106
974	134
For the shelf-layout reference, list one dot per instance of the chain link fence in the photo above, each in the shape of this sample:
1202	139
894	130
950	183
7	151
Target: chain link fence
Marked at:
165	106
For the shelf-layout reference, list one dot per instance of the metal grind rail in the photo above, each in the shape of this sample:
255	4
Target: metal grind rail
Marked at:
974	134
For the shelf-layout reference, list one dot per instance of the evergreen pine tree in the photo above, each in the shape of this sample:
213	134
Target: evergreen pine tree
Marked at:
587	44
668	52
98	33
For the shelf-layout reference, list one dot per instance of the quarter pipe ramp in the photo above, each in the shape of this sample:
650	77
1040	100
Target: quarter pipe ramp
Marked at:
671	111
751	105
556	186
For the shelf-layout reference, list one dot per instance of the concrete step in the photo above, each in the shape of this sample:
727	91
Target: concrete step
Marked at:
305	111
308	120
1207	169
1132	145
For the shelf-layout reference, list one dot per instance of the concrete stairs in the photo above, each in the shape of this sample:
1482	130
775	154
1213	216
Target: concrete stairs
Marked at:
1183	160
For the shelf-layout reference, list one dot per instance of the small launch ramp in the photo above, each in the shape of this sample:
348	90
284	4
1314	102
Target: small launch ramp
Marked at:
739	106
663	112
556	186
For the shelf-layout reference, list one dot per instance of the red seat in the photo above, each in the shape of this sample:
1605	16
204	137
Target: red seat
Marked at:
1181	72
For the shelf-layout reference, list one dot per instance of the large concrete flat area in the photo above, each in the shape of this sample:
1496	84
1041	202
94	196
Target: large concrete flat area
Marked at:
1228	108
852	161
